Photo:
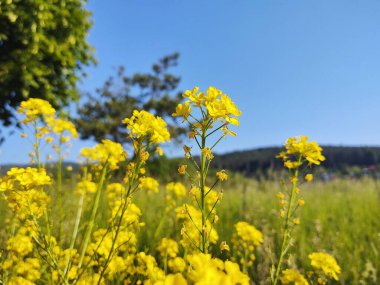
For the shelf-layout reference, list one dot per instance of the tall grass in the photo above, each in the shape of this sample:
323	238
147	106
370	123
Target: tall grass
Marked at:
340	216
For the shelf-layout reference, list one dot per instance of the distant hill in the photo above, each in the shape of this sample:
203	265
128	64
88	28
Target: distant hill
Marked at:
338	158
261	161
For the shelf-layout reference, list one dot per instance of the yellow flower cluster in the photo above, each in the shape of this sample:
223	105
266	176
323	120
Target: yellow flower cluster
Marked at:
23	191
326	263
168	248
244	241
299	150
85	187
35	108
192	227
107	151
144	125
20	264
217	105
175	191
207	270
148	183
23	179
60	127
291	276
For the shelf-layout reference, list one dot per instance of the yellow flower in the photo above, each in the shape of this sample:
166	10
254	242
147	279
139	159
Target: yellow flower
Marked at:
182	169
296	221
224	246
60	126
280	196
299	150
326	263
183	110
248	233
222	175
177	188
291	276
300	202
207	153
143	124
177	264
106	151
168	248
223	109
35	108
309	177
149	183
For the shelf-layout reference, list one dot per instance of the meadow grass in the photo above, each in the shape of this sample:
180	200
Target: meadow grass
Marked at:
340	217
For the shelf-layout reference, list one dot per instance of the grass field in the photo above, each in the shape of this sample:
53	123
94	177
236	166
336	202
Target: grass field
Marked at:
340	217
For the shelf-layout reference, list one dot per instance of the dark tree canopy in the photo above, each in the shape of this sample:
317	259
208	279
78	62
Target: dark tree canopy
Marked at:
43	49
156	91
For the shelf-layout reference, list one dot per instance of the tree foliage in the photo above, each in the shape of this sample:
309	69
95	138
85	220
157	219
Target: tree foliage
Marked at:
156	91
43	49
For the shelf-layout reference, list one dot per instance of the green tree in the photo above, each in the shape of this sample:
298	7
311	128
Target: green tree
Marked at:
43	50
156	91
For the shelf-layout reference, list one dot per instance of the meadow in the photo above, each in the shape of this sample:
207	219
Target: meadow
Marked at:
339	216
111	222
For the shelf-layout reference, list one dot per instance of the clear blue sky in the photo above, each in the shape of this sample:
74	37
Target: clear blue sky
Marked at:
294	67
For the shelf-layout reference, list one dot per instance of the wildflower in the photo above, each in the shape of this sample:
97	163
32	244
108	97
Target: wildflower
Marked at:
105	152
174	279
182	169
298	150
23	135
296	221
224	246
177	264
182	110
280	195
168	247
222	175
159	151
326	263
207	153
291	276
300	202
35	108
248	233
309	177
85	186
149	183
177	188
143	124
207	270
60	126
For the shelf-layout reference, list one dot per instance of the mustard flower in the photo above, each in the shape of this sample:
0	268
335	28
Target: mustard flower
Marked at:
149	183
168	248
143	124
291	276
222	175
35	108
326	263
105	152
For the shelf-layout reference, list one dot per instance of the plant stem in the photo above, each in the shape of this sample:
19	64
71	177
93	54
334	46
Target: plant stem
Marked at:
286	234
91	223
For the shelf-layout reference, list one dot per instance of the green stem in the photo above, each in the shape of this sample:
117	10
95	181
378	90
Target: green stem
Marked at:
286	234
59	194
91	223
203	196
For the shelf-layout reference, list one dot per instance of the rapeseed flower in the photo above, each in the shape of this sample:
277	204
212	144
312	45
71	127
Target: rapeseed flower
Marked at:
326	263
291	276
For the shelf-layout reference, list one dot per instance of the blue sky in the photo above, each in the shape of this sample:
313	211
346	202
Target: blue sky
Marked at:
293	67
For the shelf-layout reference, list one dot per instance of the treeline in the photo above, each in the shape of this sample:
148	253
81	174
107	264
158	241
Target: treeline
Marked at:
261	161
